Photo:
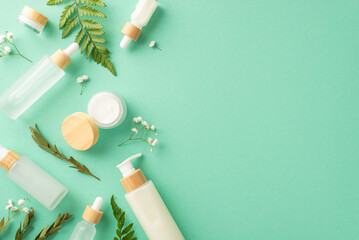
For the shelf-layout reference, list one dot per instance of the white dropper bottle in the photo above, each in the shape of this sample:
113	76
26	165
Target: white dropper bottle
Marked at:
86	230
147	204
36	82
139	18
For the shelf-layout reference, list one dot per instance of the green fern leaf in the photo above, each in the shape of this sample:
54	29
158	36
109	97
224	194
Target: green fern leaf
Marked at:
66	14
99	40
96	32
89	11
80	35
69	26
54	2
87	23
85	43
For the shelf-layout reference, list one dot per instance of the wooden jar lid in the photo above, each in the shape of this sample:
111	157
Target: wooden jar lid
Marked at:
34	15
79	131
131	31
91	215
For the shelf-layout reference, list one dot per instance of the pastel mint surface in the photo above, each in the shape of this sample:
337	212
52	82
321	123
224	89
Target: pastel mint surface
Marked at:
256	105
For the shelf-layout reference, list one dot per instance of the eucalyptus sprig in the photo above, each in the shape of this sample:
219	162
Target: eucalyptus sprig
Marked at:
90	31
43	144
54	227
123	233
25	226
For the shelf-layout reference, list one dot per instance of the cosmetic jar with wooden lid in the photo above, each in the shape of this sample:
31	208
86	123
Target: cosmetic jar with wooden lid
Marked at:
106	110
32	19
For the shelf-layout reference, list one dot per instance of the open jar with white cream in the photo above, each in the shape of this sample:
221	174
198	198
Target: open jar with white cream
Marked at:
106	110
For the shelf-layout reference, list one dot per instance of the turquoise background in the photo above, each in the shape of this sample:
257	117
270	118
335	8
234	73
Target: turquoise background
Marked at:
256	103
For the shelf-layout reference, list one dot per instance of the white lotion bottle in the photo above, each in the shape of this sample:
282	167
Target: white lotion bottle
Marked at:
30	177
35	82
147	204
86	230
139	19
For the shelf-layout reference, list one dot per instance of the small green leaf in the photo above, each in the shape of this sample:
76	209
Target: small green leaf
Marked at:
89	49
91	12
97	3
87	23
127	229
54	2
80	35
96	32
69	26
99	39
66	14
129	235
85	43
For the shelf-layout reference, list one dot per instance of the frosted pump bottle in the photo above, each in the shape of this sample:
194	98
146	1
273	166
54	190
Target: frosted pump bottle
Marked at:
30	177
139	18
35	82
147	204
86	230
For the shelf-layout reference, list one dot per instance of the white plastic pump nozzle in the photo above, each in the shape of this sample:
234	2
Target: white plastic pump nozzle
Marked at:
97	204
125	41
71	49
126	166
3	152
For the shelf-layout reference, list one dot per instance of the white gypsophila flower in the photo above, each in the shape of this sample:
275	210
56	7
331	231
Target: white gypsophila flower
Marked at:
135	130
7	50
153	128
14	209
21	202
26	210
155	142
151	149
137	119
9	35
80	79
145	124
85	77
149	140
8	206
152	44
9	202
2	38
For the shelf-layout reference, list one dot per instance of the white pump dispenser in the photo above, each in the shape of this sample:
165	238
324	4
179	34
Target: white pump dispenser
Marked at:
126	166
147	204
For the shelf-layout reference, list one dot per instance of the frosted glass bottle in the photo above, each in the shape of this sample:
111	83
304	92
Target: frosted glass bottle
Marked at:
86	230
147	204
139	19
30	177
35	82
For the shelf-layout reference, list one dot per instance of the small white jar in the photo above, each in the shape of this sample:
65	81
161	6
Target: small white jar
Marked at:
107	110
32	19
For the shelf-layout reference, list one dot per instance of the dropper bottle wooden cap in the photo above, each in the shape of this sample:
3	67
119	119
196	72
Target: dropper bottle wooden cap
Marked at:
62	57
93	214
7	158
